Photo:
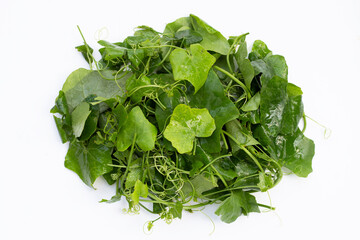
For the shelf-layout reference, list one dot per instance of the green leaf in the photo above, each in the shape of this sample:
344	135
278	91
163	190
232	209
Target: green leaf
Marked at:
260	50
85	52
238	203
137	125
241	135
136	87
135	173
193	67
89	162
265	181
199	184
244	64
90	125
170	100
79	116
294	110
111	51
81	83
212	97
272	104
173	27
188	36
113	199
278	64
294	151
253	104
176	211
213	40
187	123
281	106
140	190
59	126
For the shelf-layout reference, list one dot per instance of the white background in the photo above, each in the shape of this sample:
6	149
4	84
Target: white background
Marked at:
41	199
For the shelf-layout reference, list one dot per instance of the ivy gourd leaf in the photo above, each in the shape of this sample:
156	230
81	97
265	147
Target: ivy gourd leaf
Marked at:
272	104
281	106
111	51
170	100
278	64
294	109
135	173
137	125
89	162
90	125
221	108
188	36
173	27
133	83
238	203
244	64
294	151
140	190
84	52
253	104
193	67
213	40
260	50
265	182
79	116
242	136
81	83
201	184
59	126
187	123
176	211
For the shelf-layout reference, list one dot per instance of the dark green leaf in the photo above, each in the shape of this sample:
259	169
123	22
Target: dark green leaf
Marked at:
238	203
89	162
221	108
293	151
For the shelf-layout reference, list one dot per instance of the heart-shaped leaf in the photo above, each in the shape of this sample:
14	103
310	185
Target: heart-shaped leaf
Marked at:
187	123
193	67
138	126
89	162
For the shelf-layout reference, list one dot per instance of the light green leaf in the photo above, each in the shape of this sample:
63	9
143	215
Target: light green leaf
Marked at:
253	104
89	162
78	118
81	83
193	67
140	190
187	123
137	125
278	64
213	40
260	50
173	27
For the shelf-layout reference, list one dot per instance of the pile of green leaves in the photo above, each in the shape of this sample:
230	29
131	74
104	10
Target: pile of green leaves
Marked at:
182	119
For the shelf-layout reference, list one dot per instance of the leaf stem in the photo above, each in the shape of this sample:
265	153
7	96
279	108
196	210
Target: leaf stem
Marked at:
242	85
